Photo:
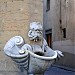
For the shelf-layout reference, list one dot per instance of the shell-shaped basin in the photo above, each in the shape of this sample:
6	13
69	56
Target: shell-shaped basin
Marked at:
13	50
40	61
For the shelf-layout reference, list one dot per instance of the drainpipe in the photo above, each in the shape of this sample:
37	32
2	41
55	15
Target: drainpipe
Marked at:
60	20
60	15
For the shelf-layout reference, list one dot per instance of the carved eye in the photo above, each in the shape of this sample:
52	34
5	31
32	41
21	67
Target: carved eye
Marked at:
31	32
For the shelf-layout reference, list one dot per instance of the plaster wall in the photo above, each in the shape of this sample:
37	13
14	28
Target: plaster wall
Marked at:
67	17
51	18
66	13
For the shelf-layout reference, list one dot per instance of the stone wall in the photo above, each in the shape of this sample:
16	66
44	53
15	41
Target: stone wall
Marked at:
15	17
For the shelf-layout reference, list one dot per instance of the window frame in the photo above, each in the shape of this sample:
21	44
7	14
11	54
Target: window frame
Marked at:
47	5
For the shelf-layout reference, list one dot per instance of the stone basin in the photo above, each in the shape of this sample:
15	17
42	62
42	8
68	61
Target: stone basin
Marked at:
34	59
39	60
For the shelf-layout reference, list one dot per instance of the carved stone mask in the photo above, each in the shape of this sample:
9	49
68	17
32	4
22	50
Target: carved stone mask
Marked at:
35	32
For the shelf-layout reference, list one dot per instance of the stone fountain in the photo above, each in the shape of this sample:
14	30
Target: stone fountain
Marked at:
32	59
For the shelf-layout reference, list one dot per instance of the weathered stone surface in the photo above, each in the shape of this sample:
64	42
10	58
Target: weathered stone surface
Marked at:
15	17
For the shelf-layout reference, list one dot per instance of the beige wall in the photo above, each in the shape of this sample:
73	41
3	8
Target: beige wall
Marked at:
15	17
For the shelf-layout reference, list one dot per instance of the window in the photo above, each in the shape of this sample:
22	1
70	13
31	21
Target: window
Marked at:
64	32
48	5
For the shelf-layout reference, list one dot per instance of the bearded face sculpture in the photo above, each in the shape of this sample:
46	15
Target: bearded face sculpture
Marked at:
35	32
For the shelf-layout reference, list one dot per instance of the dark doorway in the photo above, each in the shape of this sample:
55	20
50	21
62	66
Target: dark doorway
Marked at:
49	39
48	34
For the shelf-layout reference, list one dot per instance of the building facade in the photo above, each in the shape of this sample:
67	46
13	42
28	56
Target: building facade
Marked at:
15	18
59	28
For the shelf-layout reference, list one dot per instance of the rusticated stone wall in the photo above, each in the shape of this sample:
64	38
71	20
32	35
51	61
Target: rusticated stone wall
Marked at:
15	17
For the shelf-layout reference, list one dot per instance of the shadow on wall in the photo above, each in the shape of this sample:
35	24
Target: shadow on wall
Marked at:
68	61
67	48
